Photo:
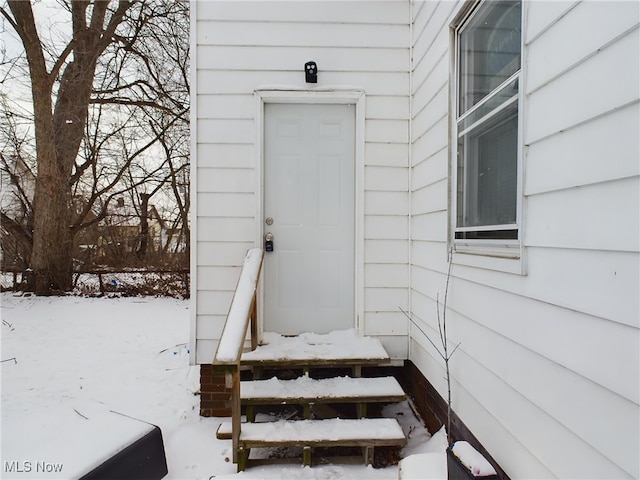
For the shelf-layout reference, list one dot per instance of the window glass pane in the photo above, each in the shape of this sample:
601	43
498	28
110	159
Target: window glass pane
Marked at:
508	93
489	51
487	172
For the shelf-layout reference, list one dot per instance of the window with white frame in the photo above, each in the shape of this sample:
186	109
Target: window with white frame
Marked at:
488	64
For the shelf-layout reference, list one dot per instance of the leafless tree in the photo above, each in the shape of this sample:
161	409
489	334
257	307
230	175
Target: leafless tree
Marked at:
442	345
17	183
102	97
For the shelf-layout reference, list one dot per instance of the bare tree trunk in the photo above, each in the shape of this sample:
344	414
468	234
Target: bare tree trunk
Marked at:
59	133
144	226
51	257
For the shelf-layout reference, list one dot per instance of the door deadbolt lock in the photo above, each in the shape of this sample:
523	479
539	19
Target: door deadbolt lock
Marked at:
269	221
268	242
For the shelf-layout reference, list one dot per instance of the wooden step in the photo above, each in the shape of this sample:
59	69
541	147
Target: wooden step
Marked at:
366	433
305	390
335	349
329	390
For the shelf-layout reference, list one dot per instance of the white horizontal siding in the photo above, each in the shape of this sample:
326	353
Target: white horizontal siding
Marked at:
385	12
217	278
387	106
203	348
605	363
541	353
227	204
615	20
307	34
225	155
257	59
430	142
226	229
210	328
539	20
588	217
226	180
430	116
385	275
585	92
430	198
219	253
386	299
214	302
579	157
386	178
378	322
386	227
430	170
386	203
615	276
218	106
227	130
228	82
241	47
386	251
389	154
429	226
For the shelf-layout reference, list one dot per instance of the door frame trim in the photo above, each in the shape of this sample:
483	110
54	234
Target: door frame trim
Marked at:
328	96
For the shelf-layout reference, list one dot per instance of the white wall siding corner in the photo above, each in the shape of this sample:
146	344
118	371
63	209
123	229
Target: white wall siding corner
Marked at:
552	357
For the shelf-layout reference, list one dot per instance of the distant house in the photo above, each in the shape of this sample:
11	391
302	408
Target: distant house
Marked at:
504	132
17	186
121	229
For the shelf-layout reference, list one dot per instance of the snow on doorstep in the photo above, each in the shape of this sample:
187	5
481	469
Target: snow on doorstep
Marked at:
326	388
472	459
235	328
339	344
319	430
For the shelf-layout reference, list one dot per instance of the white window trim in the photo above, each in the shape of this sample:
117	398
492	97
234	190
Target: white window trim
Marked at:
507	256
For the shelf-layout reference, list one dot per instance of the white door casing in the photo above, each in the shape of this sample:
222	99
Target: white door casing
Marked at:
309	197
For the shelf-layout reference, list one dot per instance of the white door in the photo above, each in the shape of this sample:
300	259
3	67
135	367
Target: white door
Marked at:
309	209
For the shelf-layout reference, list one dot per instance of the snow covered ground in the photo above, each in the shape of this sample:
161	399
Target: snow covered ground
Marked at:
67	358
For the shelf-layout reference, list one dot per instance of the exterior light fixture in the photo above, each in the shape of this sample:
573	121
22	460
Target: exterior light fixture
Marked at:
311	72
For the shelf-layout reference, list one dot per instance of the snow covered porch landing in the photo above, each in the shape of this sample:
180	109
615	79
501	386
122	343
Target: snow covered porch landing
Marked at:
319	363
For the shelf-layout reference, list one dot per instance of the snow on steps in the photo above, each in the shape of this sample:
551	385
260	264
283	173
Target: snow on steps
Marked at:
333	431
307	390
329	390
342	348
337	348
365	432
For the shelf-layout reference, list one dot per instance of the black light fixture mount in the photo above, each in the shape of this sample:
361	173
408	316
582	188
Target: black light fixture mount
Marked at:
311	72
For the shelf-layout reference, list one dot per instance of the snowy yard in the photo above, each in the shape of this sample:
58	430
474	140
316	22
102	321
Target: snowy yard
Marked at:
63	359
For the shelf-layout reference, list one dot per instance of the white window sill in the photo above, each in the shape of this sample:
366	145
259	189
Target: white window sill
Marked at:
502	256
